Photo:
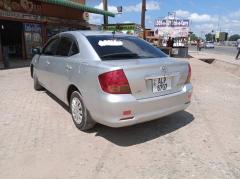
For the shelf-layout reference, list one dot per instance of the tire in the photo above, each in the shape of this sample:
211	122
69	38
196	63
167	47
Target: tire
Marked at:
80	114
36	84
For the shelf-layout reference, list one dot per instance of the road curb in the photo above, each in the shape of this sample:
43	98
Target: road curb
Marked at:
229	67
220	64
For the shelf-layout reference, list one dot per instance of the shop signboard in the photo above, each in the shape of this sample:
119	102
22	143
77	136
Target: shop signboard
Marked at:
124	28
171	27
19	15
35	28
172	23
27	6
119	27
33	37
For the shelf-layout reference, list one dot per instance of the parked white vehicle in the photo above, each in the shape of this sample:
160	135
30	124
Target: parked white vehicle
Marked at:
209	44
113	79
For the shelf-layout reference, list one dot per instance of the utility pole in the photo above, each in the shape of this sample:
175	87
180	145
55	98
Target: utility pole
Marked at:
105	8
143	18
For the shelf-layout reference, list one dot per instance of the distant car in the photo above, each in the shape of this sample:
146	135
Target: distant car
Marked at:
209	45
113	79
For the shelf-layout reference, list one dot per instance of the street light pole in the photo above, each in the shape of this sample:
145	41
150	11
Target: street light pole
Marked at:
105	8
212	35
143	18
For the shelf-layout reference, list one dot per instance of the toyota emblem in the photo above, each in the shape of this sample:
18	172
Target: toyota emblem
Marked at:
164	69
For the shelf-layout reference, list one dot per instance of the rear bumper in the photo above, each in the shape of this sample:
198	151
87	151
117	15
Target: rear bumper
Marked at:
111	107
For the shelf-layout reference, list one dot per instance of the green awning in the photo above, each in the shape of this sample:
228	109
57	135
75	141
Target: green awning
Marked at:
78	6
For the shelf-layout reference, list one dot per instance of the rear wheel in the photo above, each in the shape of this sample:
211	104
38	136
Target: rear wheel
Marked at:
36	83
80	115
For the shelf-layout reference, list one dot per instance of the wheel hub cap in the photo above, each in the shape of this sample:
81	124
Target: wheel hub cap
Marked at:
77	110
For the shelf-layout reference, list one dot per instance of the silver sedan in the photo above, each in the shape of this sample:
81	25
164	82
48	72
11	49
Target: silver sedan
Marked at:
113	79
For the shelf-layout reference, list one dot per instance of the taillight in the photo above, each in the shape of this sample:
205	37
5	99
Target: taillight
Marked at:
189	74
114	82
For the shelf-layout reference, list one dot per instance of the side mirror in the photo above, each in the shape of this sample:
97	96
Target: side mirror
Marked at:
36	51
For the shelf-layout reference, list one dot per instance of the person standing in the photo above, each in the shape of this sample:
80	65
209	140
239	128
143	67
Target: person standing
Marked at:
172	42
170	46
169	41
160	40
198	45
238	48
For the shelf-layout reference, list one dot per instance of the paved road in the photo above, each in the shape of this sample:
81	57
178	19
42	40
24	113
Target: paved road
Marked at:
220	50
39	140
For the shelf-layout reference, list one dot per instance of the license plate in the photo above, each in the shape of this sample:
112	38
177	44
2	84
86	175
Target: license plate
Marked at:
161	84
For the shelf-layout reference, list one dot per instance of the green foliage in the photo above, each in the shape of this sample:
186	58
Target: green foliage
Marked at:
210	37
193	37
234	37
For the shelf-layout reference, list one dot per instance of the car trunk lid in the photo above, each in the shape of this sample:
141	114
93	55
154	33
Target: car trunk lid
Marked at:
145	76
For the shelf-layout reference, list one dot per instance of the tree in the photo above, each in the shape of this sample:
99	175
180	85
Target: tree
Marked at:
234	37
210	37
193	37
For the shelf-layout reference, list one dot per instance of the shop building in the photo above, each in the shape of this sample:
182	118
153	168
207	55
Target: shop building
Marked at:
221	36
26	24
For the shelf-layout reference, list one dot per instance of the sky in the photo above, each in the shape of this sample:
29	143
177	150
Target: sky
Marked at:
204	15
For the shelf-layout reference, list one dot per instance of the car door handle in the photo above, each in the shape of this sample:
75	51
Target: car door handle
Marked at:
68	67
47	62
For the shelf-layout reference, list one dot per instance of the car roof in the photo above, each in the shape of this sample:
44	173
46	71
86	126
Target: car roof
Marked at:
92	33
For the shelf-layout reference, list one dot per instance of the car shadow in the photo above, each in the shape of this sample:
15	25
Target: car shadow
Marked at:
140	133
64	106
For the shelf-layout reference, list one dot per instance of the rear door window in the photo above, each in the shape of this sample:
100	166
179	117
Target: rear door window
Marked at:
64	47
74	49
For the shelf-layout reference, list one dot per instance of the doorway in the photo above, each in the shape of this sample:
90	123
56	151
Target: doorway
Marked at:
11	40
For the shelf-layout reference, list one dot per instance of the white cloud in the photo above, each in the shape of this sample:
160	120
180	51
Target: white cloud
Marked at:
95	18
181	13
98	19
205	23
110	8
205	27
149	20
200	23
126	22
195	17
235	14
150	5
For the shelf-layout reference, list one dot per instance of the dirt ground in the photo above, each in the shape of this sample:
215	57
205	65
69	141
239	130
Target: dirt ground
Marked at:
39	140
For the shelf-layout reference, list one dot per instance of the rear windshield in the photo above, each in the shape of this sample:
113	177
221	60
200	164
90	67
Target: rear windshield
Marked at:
110	47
